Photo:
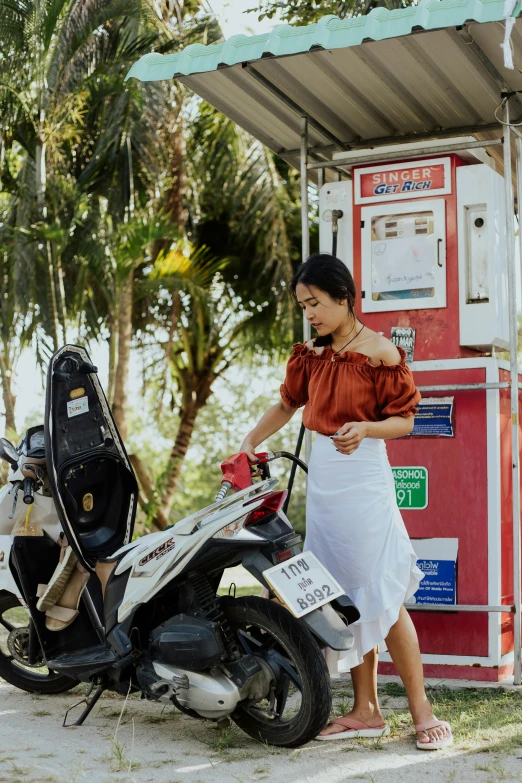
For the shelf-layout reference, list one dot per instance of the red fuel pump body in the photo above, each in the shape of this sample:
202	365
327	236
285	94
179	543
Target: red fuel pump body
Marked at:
425	240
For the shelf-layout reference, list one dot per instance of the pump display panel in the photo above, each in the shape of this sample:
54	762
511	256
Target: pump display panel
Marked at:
403	256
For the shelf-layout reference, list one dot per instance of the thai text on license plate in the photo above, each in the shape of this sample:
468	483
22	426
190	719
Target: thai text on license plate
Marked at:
303	583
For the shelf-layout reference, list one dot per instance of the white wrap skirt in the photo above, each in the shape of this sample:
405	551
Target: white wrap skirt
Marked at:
354	527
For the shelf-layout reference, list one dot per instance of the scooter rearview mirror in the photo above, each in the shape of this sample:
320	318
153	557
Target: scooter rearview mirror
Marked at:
8	452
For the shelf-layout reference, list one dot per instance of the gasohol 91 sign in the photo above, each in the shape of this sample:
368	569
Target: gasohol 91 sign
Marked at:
411	486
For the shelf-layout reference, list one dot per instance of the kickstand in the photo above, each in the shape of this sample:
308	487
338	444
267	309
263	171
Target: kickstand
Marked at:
89	705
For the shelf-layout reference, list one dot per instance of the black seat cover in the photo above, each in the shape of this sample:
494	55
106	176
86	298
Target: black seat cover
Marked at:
91	477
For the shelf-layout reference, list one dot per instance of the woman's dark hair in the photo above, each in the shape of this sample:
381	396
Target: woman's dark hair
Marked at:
330	275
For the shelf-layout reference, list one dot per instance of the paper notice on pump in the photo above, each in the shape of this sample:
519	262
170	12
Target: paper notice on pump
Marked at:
437	559
403	263
77	407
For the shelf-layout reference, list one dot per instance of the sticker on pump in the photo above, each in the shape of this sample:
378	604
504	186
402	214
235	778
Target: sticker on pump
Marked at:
77	407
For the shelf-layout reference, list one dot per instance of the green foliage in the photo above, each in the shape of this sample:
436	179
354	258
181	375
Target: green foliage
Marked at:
243	204
136	212
302	12
237	404
68	121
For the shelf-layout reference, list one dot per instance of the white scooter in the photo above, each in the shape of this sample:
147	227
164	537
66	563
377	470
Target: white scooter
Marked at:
161	627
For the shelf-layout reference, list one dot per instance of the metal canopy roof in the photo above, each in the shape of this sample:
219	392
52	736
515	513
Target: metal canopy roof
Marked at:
422	72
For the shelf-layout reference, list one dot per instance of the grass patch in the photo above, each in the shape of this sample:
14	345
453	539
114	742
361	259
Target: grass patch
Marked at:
230	744
341	707
109	712
166	714
19	771
393	689
17	616
484	720
487	717
119	758
225	740
163	762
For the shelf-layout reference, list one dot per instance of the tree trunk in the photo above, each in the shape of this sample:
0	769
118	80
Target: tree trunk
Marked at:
148	497
62	310
189	413
51	297
173	203
122	371
6	376
174	318
41	187
113	356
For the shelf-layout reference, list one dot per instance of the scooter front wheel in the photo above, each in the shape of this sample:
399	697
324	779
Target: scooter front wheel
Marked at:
299	704
14	664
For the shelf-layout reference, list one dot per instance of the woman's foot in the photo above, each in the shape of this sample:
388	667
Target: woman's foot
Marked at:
425	743
422	719
371	718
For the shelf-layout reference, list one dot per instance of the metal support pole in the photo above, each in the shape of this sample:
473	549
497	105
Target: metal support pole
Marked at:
293	106
305	242
398	154
465	387
458	608
384	141
518	148
513	361
516	444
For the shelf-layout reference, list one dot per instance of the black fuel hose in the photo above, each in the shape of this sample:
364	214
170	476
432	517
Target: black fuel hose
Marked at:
295	462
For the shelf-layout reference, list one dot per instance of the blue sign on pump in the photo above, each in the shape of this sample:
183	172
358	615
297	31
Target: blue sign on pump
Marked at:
434	417
437	559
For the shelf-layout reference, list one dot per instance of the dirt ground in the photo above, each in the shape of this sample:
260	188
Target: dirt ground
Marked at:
152	743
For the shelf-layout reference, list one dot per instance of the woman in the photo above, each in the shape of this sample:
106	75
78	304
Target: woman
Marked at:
357	392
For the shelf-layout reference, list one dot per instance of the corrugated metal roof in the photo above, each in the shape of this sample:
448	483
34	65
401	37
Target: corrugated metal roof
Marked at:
430	69
329	32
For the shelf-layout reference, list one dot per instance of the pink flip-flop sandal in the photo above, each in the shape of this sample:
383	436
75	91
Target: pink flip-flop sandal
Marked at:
354	729
437	744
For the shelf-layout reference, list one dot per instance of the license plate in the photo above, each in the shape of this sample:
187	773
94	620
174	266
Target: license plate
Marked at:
302	583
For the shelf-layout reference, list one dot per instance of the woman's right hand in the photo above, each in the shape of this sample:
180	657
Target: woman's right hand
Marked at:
248	448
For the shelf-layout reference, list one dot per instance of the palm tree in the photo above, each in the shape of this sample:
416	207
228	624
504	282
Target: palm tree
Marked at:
10	338
240	203
243	203
136	169
89	154
43	43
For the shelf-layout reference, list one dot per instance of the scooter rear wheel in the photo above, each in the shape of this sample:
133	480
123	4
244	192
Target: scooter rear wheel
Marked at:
302	698
14	624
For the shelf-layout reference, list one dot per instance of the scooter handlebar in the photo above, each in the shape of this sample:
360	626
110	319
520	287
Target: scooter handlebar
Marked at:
28	488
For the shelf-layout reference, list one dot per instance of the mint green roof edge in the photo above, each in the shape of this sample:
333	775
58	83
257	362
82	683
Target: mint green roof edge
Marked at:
329	32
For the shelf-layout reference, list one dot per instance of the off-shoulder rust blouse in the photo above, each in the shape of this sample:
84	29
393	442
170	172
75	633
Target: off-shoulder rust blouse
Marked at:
347	389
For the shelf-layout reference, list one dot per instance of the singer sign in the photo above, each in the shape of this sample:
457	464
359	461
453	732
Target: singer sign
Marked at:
402	180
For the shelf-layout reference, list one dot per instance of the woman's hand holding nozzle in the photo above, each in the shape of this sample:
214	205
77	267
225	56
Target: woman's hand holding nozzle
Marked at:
248	449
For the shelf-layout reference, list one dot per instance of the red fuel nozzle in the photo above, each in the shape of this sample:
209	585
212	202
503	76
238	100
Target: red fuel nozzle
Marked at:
264	456
237	469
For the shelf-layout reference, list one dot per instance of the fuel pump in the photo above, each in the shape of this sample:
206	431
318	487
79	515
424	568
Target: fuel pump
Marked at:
424	237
